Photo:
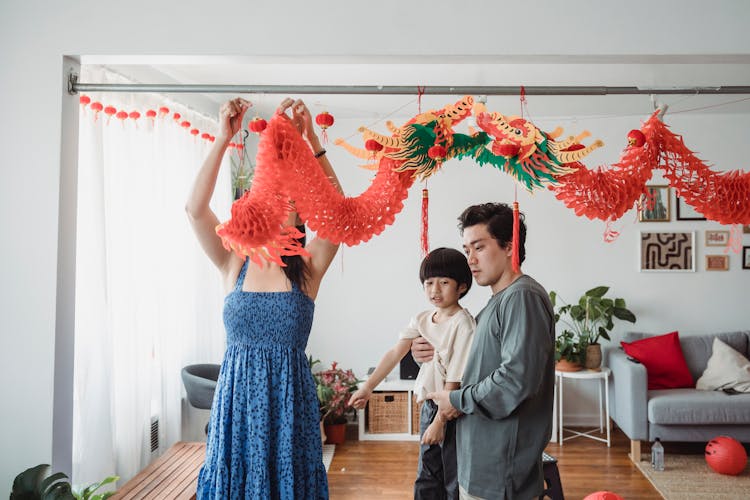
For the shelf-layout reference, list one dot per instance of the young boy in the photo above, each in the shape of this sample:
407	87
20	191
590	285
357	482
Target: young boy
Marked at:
446	277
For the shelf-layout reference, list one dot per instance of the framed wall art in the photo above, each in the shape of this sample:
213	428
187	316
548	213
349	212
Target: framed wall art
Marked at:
717	238
655	204
745	257
687	212
667	251
717	262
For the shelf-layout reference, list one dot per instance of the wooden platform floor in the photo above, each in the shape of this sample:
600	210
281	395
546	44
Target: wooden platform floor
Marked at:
363	470
366	470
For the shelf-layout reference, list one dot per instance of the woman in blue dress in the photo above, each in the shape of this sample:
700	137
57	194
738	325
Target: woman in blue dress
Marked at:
264	435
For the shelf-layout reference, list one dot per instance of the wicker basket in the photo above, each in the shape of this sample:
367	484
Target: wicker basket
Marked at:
387	412
416	408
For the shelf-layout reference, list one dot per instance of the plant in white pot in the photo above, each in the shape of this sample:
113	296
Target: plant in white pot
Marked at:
589	320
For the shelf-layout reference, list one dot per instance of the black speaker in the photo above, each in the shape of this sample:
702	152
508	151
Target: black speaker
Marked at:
408	367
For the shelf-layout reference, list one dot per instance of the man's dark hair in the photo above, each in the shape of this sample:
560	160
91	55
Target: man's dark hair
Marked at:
446	263
499	220
295	270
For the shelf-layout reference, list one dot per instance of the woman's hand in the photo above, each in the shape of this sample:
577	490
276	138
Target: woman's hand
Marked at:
301	118
231	114
359	398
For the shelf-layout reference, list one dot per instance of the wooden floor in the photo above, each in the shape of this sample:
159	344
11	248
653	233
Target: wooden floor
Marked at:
365	470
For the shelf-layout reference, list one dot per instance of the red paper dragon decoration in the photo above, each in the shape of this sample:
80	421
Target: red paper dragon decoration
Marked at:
286	170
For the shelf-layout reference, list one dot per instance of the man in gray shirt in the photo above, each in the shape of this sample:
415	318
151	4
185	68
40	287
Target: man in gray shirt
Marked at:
504	405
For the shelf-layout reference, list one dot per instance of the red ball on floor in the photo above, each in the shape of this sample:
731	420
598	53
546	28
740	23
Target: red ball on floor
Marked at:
603	495
726	455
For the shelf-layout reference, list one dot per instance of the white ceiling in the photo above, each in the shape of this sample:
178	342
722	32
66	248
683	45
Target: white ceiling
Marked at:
645	72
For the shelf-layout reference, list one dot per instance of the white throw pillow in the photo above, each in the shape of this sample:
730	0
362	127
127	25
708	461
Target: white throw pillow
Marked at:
727	369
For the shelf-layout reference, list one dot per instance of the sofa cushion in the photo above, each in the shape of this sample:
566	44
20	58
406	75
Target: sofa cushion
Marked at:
727	369
663	359
698	349
694	407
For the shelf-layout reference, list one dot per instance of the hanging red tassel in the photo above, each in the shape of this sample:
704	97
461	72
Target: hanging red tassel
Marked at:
515	259
424	240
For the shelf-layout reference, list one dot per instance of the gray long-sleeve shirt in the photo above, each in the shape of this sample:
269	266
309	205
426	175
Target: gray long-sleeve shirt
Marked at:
507	395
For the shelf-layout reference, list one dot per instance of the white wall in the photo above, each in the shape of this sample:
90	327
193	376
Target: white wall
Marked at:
34	36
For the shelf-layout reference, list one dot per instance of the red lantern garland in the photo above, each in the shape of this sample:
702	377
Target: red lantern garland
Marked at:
324	120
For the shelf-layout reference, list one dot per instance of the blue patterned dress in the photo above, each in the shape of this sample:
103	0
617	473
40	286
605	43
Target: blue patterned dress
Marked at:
264	435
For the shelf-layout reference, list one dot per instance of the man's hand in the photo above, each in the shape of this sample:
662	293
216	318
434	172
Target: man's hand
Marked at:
435	432
421	350
446	409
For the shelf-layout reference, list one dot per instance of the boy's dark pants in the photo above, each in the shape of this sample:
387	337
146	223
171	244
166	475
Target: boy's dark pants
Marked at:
436	474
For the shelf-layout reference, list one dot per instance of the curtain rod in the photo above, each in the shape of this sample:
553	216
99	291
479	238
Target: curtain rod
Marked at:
74	87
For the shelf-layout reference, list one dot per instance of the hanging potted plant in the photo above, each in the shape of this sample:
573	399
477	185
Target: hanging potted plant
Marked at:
587	321
334	387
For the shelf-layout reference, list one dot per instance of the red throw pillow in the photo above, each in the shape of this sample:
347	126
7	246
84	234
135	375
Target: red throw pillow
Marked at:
662	356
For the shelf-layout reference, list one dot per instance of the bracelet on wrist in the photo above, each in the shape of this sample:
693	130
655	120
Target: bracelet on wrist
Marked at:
320	153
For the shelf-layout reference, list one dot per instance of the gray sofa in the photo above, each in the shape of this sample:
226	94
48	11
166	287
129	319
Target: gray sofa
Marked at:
676	414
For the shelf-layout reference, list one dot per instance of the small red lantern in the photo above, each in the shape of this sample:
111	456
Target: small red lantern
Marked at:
437	153
96	107
122	115
134	115
84	100
206	136
324	120
257	125
109	111
373	145
151	114
195	131
185	124
636	138
505	150
176	116
726	455
163	111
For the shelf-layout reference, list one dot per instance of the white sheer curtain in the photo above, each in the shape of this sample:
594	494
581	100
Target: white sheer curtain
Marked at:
148	301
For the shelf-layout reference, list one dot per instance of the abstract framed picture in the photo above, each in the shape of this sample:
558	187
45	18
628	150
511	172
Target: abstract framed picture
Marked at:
655	204
717	262
745	257
687	212
667	251
717	238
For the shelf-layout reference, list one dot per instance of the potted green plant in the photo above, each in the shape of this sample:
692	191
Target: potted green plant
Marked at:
586	322
35	483
334	387
569	353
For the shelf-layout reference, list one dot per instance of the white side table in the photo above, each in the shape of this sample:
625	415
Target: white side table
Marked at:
602	377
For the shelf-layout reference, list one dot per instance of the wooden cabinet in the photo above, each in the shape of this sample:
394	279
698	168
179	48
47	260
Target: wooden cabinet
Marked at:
390	413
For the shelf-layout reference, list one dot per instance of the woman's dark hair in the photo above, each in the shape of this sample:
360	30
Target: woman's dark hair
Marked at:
295	270
446	263
499	220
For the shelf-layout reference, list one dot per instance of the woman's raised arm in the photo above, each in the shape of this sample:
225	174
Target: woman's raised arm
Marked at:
202	218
